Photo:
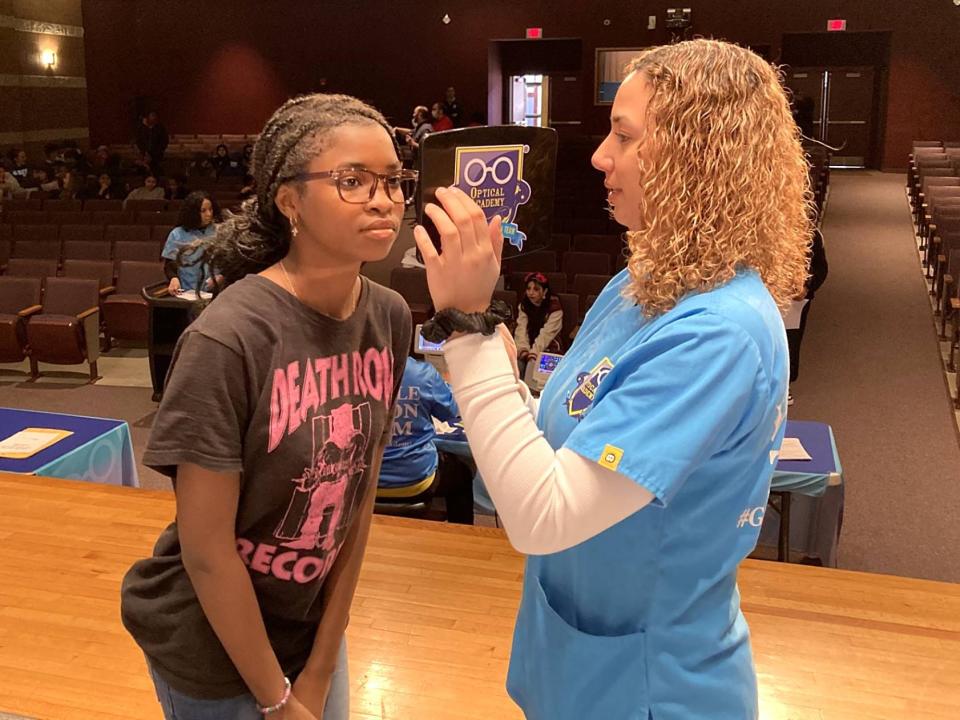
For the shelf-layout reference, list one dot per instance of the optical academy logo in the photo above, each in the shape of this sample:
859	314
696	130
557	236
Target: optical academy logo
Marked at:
493	176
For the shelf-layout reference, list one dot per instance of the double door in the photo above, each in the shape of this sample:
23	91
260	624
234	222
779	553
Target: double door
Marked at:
844	103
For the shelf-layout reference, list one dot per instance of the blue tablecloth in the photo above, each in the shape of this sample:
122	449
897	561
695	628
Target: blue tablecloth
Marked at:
809	477
816	509
99	450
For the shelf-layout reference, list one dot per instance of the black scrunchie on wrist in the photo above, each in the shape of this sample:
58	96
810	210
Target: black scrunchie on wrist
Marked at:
450	320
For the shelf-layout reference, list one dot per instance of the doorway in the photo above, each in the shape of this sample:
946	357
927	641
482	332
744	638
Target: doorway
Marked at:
530	100
843	101
844	76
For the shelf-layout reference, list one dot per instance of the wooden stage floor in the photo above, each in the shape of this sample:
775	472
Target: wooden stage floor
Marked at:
431	623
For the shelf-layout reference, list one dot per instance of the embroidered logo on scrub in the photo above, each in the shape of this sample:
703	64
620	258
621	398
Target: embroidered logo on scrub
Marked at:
580	400
493	176
611	456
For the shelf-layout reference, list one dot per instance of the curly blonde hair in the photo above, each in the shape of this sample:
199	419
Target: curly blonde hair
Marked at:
726	185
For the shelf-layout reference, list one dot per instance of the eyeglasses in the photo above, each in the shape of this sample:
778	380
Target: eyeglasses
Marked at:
358	185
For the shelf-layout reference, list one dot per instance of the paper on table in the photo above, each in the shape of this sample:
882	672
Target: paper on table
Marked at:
792	449
193	295
29	441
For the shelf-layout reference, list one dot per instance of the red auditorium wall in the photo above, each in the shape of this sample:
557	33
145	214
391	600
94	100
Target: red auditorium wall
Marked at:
222	65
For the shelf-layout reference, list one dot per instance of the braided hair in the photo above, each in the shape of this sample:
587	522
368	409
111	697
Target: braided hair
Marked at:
258	235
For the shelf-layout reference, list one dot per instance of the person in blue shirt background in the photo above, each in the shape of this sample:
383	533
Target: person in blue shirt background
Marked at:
182	265
412	467
640	483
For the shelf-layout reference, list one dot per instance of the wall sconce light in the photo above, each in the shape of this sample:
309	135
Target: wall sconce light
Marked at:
48	58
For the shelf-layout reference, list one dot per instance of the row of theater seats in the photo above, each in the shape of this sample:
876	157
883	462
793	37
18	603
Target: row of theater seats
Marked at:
68	319
58	244
105	217
933	186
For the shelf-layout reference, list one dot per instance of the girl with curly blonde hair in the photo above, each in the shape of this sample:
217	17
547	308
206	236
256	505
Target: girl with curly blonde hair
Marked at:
641	482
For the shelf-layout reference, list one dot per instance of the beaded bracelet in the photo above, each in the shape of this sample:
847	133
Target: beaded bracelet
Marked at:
280	705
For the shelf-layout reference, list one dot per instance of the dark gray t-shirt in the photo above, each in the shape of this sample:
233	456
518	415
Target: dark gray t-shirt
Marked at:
301	405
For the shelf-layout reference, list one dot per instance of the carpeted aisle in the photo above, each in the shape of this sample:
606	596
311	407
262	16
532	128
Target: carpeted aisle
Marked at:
870	367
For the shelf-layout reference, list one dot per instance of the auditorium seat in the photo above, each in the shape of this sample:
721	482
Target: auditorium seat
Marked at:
86	233
20	204
590	263
137	206
157	218
37	249
72	218
103	206
57	206
26	217
586	284
99	270
137	251
571	317
67	330
126	315
560	242
19	300
86	250
591	299
112	218
539	261
5	248
126	233
159	233
411	283
36	233
31	267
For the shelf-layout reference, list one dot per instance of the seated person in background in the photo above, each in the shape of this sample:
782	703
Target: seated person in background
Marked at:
421	127
142	165
176	188
18	166
106	189
539	320
72	185
440	120
9	187
105	162
410	462
223	164
149	191
182	252
246	160
39	179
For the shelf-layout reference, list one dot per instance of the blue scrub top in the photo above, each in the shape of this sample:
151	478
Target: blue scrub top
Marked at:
411	456
643	620
191	272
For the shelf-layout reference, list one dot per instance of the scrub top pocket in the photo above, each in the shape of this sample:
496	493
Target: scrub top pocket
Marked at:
562	673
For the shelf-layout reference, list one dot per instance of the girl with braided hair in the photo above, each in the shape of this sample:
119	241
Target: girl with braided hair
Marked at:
242	608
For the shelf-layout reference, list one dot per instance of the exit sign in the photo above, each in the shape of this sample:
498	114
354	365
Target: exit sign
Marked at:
534	33
836	25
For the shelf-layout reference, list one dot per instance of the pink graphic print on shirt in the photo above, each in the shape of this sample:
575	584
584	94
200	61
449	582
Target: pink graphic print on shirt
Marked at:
307	539
316	509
